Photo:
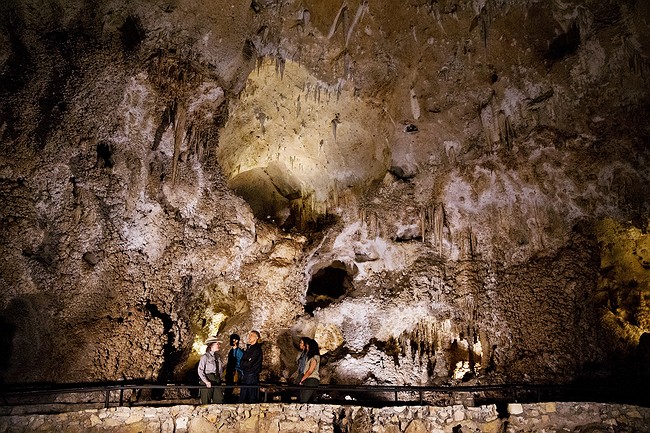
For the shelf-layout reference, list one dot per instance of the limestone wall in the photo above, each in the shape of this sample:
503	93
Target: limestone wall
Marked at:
452	181
275	418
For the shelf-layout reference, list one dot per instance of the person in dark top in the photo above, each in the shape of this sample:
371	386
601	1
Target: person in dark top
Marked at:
251	365
233	366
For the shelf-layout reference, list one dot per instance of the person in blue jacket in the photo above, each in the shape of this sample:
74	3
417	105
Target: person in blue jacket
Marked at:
233	367
251	365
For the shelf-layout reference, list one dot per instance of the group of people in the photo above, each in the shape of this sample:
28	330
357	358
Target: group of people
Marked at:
243	367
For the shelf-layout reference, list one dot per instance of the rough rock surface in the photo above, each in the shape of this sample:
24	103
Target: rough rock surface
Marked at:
438	190
289	418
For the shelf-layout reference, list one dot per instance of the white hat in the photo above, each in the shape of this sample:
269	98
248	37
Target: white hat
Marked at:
211	340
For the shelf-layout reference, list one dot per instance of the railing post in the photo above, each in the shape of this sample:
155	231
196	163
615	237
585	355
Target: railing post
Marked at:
395	396
108	398
121	396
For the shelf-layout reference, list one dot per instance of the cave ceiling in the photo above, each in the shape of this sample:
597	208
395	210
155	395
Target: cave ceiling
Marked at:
437	191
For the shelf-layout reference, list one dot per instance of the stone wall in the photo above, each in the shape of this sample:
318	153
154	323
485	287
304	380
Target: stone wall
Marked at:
289	418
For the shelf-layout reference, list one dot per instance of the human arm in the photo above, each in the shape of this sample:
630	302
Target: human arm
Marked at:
251	363
239	354
201	371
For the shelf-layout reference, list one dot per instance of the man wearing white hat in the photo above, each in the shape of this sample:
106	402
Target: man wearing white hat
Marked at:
210	369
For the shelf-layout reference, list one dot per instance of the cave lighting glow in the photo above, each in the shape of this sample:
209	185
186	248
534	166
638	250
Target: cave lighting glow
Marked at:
214	322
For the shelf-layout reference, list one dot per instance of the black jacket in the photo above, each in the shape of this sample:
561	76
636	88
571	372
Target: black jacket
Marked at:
251	363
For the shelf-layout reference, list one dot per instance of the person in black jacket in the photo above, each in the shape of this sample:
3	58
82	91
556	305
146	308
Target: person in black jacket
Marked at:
251	365
233	368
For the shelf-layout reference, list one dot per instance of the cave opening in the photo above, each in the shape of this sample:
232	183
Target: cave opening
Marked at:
565	44
326	286
131	33
105	154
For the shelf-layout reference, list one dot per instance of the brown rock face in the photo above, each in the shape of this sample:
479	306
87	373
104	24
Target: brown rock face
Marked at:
438	191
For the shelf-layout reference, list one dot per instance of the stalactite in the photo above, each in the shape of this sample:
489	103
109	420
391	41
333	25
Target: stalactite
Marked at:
258	63
506	131
483	19
423	223
335	122
200	147
637	63
468	244
423	341
439	224
179	134
432	223
346	64
337	20
280	63
361	10
537	216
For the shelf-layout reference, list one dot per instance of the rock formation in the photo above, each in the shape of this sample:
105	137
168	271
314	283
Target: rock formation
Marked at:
436	190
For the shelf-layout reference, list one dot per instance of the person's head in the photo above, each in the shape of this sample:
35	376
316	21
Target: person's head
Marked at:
253	337
304	342
234	339
312	348
213	345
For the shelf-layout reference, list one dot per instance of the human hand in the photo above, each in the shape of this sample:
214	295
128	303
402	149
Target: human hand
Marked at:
209	385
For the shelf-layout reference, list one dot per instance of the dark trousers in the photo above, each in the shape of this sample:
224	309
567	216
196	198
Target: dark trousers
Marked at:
249	395
307	395
231	379
214	394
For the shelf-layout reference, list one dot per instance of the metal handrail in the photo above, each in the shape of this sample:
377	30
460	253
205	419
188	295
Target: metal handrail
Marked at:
509	390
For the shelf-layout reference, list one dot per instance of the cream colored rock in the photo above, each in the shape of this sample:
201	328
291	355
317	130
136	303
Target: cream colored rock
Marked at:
329	337
494	426
416	426
515	408
200	424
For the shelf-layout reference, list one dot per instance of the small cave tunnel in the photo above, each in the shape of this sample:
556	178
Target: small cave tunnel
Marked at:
327	285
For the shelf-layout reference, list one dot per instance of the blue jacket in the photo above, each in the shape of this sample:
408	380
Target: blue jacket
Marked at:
234	360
